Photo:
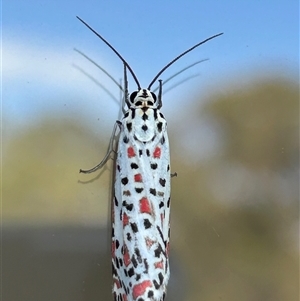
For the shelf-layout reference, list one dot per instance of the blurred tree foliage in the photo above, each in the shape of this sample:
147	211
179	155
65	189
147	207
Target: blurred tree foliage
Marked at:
41	180
234	216
261	125
237	213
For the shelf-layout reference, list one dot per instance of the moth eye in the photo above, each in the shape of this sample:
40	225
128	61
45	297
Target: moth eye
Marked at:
133	96
154	96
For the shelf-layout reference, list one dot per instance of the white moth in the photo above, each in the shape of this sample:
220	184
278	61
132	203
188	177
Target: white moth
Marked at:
141	203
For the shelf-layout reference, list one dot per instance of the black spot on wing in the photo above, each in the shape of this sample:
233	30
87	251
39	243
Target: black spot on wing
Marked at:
138	255
161	278
153	191
162	182
134	166
147	223
146	266
153	166
125	139
134	227
128	235
131	272
129	207
133	260
139	190
158	251
156	284
124	181
129	126
159	126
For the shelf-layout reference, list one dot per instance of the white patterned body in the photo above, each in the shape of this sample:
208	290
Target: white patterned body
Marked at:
141	205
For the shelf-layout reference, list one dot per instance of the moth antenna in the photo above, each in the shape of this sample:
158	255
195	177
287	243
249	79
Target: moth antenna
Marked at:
113	49
179	56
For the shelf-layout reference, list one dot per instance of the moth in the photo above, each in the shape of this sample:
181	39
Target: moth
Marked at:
141	201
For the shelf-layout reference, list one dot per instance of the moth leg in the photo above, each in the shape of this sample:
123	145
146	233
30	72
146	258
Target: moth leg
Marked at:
109	151
125	89
159	103
174	174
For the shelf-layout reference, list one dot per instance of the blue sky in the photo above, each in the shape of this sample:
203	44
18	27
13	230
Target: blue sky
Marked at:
38	61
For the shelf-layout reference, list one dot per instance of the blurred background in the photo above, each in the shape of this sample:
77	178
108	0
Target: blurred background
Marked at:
234	135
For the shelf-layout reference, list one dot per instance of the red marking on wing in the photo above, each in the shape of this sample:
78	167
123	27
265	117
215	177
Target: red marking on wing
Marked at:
159	265
157	152
124	297
138	178
145	206
125	220
139	289
126	257
130	152
149	242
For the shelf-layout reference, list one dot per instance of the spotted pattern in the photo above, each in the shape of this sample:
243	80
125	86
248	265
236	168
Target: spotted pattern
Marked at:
141	211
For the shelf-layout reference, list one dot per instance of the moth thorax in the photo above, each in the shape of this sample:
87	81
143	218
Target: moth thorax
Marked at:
143	98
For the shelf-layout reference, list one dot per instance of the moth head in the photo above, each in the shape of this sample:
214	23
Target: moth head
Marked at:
143	98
